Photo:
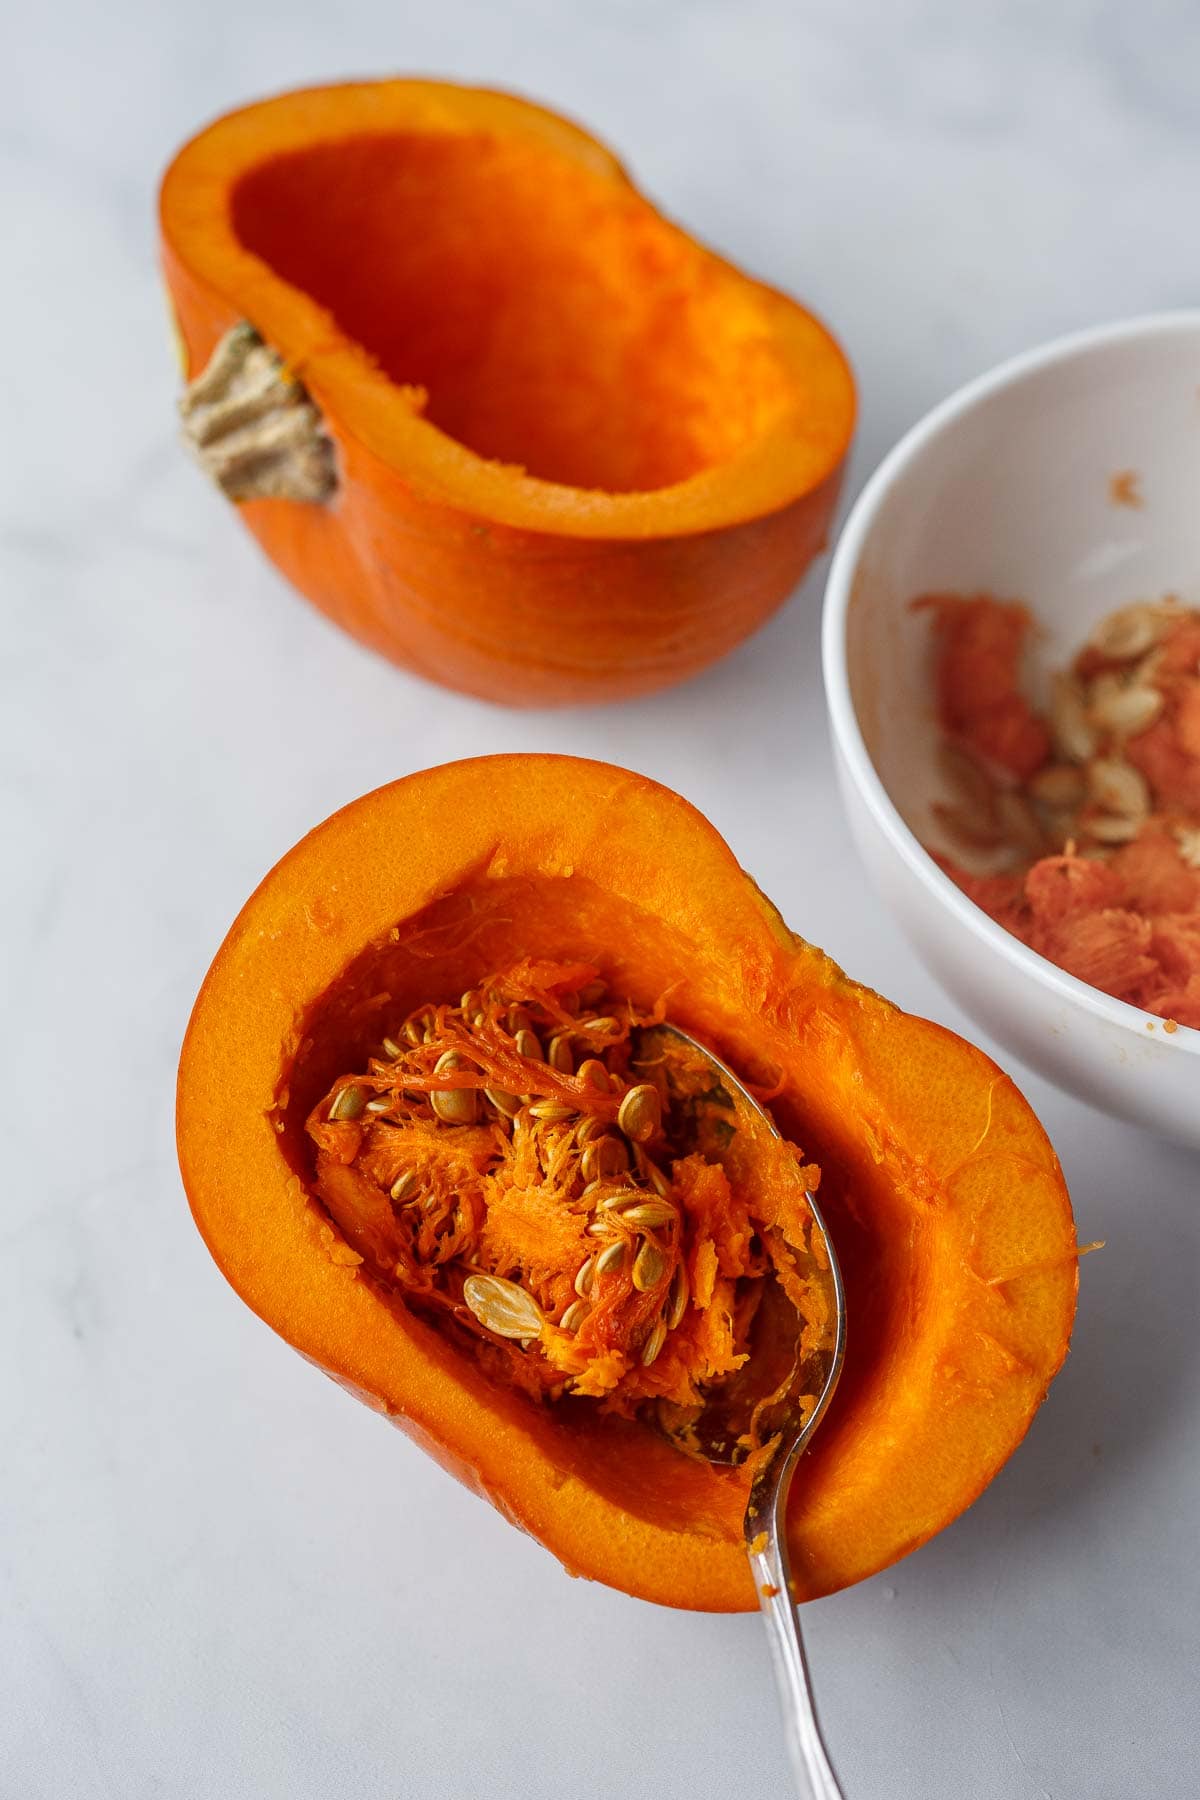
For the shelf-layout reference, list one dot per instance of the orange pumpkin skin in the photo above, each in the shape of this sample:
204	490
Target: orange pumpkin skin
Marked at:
579	456
945	1200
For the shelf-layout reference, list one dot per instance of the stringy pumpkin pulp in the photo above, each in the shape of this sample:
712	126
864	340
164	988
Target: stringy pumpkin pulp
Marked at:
506	1165
1094	806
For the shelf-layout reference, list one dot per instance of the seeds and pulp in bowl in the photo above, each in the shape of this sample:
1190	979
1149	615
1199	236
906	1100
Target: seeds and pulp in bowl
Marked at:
505	1164
1090	807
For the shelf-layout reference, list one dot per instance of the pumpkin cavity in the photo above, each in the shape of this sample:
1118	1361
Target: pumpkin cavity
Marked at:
518	1169
539	312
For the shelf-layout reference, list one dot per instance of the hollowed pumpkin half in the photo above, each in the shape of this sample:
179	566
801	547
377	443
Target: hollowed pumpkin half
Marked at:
945	1200
576	455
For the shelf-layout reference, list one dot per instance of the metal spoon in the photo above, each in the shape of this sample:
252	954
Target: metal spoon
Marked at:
790	1376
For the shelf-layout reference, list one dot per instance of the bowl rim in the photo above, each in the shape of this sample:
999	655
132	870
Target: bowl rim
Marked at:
847	734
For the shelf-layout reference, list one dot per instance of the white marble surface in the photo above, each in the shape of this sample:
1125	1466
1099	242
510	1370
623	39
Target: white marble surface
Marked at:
219	1577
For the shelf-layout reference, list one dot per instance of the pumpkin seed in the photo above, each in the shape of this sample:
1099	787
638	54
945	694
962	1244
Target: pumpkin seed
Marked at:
614	1157
1074	738
560	1055
603	1159
575	1314
1118	787
967	829
593	1071
453	1106
471	1001
569	1001
654	1343
649	1214
381	1105
612	1259
585	1278
349	1103
519	1020
1018	821
392	1049
1123	708
1131	631
1058	786
503	1307
404	1185
640	1113
1112	828
648	1265
619	1199
969	779
603	1025
677	1298
553	1111
528	1045
508	1104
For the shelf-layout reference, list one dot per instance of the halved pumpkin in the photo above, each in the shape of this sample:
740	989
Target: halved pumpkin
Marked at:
944	1199
575	455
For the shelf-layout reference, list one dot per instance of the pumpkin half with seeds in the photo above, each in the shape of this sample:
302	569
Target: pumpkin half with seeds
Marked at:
482	403
418	1140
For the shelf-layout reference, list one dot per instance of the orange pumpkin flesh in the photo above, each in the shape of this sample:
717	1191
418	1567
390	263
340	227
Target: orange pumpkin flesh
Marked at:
579	456
944	1198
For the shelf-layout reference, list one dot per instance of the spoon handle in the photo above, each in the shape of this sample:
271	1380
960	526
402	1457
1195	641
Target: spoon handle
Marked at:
815	1779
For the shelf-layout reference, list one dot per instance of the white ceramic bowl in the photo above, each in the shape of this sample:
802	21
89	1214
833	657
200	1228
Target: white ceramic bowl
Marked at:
1005	489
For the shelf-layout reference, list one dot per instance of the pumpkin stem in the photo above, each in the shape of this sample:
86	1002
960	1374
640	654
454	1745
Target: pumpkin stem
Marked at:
253	427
